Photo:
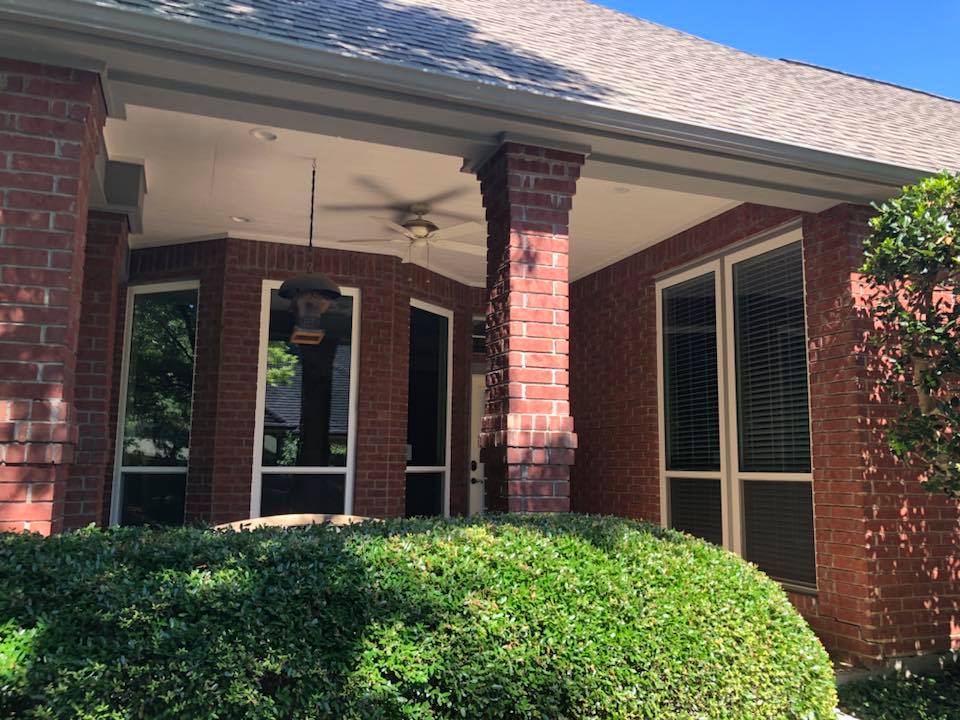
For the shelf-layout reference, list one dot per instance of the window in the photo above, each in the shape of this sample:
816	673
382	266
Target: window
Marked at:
428	411
733	370
307	397
478	335
153	445
691	405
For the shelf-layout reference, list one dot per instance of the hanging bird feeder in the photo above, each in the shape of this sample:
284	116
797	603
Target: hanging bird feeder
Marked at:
310	294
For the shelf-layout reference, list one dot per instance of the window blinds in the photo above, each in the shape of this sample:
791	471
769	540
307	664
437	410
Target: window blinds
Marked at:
771	367
690	375
695	508
778	529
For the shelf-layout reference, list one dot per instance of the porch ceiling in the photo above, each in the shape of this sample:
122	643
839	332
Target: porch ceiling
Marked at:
203	171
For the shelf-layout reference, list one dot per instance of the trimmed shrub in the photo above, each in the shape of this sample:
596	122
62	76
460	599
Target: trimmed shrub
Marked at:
501	617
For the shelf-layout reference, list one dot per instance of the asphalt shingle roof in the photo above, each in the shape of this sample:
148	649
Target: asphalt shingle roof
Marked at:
583	52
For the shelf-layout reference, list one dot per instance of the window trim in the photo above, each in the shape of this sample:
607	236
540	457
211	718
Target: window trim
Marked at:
445	469
118	468
349	470
731	478
712	267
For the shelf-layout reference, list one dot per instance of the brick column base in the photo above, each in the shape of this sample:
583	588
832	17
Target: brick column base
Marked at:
527	433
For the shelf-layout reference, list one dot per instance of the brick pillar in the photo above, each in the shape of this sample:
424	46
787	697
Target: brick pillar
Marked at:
93	397
527	433
838	407
886	549
50	132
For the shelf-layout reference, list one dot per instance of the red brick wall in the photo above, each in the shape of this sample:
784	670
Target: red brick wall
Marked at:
527	431
886	551
93	397
613	373
50	131
231	273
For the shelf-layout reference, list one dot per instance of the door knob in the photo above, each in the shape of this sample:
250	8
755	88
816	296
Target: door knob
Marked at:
476	481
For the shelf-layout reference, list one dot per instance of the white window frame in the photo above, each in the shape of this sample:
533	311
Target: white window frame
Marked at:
349	470
119	469
730	475
443	469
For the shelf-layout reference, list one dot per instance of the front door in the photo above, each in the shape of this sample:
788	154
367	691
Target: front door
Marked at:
478	396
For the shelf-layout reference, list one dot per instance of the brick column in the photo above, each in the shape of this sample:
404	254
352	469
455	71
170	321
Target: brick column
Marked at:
838	408
50	132
93	397
527	434
886	549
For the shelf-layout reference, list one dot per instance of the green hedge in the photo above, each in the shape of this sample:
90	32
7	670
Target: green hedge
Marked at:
502	617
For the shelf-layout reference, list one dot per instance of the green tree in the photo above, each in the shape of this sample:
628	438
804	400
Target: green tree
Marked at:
912	265
281	364
160	389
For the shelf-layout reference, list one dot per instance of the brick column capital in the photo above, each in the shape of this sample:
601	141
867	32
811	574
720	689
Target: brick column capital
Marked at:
527	430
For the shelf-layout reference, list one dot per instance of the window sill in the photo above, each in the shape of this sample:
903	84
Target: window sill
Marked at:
799	589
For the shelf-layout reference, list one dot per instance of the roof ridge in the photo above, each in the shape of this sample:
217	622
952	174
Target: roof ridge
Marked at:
869	79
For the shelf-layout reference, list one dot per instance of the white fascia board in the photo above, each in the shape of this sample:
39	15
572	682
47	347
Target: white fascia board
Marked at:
203	43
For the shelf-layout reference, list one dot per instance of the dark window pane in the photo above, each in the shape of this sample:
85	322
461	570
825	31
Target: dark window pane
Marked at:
424	494
152	498
285	494
695	508
427	403
307	403
156	428
778	527
771	361
479	336
690	375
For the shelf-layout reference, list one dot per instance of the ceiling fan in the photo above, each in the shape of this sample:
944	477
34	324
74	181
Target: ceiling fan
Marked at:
419	232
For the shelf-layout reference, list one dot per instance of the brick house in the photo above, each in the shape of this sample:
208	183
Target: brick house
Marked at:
666	325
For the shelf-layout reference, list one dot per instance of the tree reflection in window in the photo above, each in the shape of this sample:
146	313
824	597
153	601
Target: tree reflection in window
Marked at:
160	379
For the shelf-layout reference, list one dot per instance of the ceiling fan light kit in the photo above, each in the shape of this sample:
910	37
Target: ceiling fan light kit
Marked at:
420	232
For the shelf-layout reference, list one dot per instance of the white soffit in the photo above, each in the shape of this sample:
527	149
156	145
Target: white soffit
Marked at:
202	171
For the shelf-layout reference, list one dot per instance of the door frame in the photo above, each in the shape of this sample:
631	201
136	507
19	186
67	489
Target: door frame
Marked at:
444	469
480	472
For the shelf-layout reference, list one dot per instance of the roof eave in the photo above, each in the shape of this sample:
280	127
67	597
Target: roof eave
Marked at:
242	49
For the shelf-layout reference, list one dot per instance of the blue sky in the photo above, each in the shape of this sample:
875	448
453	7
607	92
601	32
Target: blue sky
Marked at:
908	43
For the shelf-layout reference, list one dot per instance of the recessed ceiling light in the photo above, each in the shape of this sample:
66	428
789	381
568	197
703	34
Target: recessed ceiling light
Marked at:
621	190
239	219
265	134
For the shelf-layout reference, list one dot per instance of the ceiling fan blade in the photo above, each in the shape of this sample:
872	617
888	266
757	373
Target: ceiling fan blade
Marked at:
448	195
455	231
478	250
463	217
373	240
353	208
379	188
396	227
